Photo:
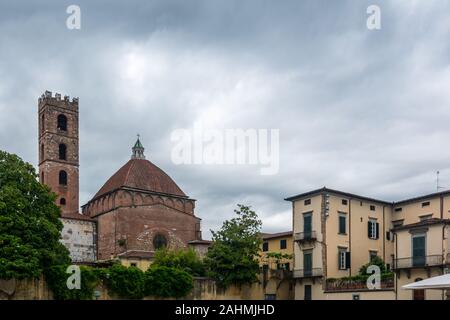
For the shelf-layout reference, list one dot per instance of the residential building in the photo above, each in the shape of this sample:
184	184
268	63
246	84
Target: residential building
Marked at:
336	233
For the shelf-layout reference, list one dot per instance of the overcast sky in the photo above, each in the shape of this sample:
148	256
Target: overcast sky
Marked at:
363	111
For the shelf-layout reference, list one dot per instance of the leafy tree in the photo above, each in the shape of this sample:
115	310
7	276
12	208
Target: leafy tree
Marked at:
30	228
375	261
232	258
186	260
167	282
125	282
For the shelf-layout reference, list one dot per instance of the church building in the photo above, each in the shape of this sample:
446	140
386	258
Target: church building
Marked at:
137	211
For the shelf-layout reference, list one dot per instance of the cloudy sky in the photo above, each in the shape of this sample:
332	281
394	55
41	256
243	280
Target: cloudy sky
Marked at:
364	111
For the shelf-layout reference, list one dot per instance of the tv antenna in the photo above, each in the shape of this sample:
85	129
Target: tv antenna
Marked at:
437	182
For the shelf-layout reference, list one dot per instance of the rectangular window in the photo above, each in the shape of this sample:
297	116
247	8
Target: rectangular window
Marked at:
388	235
342	223
265	246
372	208
398	209
307	202
397	223
372	255
283	244
419	250
308	292
425	204
307	225
343	259
373	229
426	217
344	202
307	263
270	297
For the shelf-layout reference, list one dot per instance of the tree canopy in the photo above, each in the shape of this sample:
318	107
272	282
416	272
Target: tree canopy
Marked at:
233	256
30	228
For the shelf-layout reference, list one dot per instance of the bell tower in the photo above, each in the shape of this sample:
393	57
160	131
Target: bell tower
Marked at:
58	148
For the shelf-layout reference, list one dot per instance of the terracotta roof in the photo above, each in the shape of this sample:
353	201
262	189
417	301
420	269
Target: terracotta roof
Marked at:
276	235
76	216
137	254
144	175
424	223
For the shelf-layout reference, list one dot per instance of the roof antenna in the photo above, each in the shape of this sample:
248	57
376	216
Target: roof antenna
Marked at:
437	182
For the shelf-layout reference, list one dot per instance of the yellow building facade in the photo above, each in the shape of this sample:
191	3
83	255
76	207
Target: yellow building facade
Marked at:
336	233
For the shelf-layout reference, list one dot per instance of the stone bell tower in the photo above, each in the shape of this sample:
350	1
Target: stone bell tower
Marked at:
58	148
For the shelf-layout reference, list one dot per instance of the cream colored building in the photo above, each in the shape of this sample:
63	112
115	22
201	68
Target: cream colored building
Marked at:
336	233
276	272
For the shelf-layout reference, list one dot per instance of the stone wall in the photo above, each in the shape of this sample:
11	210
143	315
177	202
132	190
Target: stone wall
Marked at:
79	237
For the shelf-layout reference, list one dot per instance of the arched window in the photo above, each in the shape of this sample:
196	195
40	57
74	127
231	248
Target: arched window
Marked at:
62	151
159	241
42	152
62	201
62	122
63	178
42	177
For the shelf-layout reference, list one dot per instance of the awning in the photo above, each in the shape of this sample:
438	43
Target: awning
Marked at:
439	282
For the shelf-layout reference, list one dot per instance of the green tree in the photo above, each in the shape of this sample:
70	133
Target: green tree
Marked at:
186	260
30	228
125	282
375	261
232	258
167	282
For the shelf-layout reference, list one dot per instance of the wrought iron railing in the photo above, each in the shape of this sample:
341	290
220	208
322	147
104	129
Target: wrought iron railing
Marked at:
349	284
308	273
418	262
305	236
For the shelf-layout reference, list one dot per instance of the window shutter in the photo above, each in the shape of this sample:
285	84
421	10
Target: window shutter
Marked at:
369	229
377	230
347	260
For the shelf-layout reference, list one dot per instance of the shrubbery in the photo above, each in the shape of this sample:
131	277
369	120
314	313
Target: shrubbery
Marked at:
186	260
167	282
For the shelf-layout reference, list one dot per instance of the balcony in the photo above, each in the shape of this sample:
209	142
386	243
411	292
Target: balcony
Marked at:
308	273
418	262
349	284
308	236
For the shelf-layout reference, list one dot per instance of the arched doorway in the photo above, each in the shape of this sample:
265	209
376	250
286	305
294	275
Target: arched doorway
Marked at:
418	294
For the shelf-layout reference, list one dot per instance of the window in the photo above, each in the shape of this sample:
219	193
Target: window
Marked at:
342	223
388	235
62	201
397	223
133	264
43	122
42	177
62	151
159	241
307	263
283	244
418	294
426	217
63	178
344	202
283	266
372	255
307	225
425	204
62	122
372	208
398	209
419	250
373	229
265	246
308	292
343	259
307	202
42	152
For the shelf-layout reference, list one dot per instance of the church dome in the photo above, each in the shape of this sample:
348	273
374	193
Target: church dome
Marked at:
139	173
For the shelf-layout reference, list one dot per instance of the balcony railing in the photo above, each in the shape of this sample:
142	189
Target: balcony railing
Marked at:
336	285
308	273
418	262
305	236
